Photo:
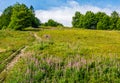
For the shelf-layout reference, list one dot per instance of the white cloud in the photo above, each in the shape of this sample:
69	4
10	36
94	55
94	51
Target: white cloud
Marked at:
64	14
0	13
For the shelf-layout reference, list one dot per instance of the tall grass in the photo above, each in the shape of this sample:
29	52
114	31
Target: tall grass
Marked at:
11	41
70	56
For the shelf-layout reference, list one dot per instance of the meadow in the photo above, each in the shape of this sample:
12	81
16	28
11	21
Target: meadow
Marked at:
62	56
11	42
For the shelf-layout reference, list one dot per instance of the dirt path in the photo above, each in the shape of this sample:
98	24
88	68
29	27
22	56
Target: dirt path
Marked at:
21	53
11	64
15	60
37	37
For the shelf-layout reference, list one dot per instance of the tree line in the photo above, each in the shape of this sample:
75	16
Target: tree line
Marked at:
99	20
19	16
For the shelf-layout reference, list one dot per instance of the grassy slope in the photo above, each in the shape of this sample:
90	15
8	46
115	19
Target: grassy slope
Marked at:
11	41
70	55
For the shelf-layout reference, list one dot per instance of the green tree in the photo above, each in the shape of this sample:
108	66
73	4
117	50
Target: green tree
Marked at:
22	17
90	20
53	23
114	19
77	20
32	9
104	23
118	24
5	18
35	21
99	16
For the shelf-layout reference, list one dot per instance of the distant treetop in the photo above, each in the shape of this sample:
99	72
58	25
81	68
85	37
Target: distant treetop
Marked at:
52	23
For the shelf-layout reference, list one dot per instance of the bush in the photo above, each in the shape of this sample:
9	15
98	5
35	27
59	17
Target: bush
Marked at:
52	23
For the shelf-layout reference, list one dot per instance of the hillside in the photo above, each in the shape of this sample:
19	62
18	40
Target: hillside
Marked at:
60	56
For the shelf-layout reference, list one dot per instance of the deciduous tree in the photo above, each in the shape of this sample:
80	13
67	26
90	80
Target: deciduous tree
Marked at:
5	18
104	24
77	20
89	20
114	18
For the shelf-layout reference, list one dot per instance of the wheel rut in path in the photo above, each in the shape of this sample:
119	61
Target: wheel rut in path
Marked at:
20	54
11	64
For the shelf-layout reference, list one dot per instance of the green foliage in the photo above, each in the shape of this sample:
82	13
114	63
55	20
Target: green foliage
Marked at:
21	17
77	20
99	20
114	18
5	18
32	9
118	24
90	20
18	17
104	24
99	16
35	21
52	23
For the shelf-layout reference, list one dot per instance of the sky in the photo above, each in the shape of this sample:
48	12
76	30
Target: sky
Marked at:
63	10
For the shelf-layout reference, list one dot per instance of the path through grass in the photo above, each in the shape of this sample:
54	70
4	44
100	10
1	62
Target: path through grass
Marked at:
69	56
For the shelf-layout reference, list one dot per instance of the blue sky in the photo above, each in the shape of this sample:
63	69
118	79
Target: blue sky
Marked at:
63	10
38	4
46	4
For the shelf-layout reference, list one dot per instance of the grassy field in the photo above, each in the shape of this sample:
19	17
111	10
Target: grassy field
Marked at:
63	56
10	42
